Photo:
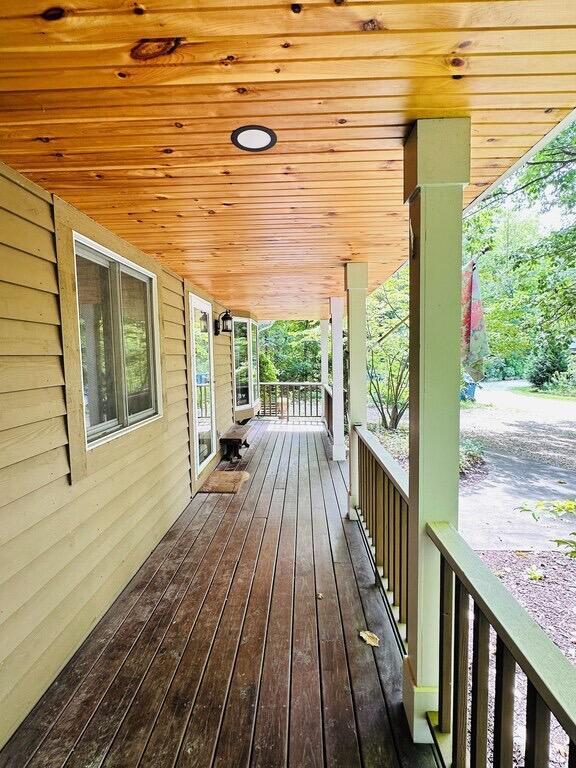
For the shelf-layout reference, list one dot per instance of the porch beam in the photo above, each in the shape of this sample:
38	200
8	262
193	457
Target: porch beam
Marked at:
436	168
337	316
356	285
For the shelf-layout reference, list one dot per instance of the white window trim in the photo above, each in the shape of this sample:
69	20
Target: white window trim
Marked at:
252	402
205	306
136	270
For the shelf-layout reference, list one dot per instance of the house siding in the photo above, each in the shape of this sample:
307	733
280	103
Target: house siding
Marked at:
70	542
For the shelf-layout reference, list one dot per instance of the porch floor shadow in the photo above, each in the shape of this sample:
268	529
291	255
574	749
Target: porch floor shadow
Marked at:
237	642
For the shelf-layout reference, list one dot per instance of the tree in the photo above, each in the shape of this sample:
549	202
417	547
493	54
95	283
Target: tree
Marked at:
387	337
293	349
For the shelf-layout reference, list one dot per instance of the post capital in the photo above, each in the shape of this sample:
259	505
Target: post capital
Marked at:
356	276
437	153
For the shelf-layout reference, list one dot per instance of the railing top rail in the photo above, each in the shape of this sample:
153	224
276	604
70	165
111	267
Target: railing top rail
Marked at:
292	383
395	472
543	663
328	388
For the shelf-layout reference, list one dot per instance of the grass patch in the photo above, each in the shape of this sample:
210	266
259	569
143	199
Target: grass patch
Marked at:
546	395
468	405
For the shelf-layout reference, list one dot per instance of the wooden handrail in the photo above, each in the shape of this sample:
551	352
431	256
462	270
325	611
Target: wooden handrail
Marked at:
545	666
292	383
395	472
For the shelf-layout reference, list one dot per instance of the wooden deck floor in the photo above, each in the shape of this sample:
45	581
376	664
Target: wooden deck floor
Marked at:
236	644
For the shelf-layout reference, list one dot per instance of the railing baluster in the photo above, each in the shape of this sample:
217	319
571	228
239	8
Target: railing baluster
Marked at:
385	528
379	523
460	676
391	537
397	545
479	717
504	707
404	564
446	635
537	730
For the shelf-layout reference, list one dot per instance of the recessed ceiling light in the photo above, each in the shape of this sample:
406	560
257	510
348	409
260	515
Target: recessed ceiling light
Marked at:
253	138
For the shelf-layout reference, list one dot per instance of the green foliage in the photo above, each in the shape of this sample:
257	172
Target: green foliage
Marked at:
471	455
267	369
547	360
293	349
387	336
528	274
563	382
555	509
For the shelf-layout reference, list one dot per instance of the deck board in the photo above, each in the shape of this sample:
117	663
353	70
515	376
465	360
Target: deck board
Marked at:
220	651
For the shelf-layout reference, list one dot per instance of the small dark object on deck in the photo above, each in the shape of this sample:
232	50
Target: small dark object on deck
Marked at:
233	440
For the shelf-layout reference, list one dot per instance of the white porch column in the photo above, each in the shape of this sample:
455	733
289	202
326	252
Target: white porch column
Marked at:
324	329
356	284
337	314
436	168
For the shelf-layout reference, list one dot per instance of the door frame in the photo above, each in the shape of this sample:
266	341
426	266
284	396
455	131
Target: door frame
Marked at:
195	302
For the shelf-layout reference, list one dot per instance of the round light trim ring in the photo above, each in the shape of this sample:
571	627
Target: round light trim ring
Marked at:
253	138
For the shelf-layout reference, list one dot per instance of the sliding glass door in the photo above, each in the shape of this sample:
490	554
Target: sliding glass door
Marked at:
203	381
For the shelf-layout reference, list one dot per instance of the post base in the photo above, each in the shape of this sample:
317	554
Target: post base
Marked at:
339	452
352	510
417	700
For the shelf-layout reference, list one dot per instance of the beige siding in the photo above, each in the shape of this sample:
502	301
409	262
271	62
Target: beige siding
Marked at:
70	542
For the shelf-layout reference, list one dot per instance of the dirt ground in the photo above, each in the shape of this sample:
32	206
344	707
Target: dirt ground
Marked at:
551	601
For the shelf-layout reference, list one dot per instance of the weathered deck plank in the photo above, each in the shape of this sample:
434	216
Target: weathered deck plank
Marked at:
220	651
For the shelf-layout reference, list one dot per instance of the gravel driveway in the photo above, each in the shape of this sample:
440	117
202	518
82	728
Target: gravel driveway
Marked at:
524	426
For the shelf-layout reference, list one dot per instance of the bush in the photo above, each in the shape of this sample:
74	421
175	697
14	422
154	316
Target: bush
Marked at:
501	368
471	455
548	360
563	382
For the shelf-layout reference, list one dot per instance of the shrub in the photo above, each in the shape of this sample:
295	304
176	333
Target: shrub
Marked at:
546	361
563	382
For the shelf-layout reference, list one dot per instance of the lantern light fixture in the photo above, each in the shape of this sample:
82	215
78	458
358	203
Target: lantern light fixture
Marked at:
223	324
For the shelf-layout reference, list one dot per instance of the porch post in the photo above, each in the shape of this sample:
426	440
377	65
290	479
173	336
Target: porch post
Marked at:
356	284
436	168
324	327
337	314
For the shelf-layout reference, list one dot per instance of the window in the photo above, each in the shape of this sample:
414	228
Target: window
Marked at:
118	346
246	376
203	378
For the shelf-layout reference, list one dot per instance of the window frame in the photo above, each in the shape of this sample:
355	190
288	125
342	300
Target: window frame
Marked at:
105	257
196	302
252	401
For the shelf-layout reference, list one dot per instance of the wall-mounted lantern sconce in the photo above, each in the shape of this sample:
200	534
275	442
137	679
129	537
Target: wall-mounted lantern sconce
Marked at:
223	324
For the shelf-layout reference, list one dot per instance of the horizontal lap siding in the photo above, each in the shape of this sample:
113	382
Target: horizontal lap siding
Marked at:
223	377
67	550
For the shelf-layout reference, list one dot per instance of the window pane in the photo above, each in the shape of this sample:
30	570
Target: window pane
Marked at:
256	393
241	363
203	384
136	334
96	346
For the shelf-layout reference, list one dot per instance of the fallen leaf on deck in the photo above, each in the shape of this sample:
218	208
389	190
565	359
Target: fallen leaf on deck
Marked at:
319	595
370	638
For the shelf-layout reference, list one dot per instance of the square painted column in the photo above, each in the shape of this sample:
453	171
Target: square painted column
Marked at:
356	285
337	315
436	169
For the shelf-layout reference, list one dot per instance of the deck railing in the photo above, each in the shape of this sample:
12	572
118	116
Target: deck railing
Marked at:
465	717
292	399
383	502
551	679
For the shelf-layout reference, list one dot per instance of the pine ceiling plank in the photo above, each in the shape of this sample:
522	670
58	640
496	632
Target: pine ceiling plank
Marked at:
199	24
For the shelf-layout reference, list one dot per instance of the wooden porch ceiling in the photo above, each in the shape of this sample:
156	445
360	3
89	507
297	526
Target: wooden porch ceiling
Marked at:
125	107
